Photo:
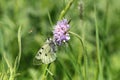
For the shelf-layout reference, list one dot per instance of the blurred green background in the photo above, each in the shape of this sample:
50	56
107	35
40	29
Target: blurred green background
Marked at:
33	17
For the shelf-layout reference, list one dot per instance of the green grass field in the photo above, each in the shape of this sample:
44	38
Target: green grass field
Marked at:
92	53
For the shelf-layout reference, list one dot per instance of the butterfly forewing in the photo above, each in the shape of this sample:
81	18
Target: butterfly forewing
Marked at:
46	54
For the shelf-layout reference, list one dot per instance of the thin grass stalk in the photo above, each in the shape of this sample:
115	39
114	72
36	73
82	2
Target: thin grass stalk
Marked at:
5	57
19	44
64	69
107	34
17	61
50	19
84	52
100	73
73	60
81	15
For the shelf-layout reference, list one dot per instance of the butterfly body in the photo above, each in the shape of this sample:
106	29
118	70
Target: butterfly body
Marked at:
46	53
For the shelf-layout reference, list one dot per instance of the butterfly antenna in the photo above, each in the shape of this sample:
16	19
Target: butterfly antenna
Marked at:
69	21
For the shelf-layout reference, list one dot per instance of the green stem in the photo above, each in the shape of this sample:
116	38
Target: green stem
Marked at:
84	52
11	75
50	72
77	37
64	11
45	72
97	45
17	60
19	44
51	23
62	14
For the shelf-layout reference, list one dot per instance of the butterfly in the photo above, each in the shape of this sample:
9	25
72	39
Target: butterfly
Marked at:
46	54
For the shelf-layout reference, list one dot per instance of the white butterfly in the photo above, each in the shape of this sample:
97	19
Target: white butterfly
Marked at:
46	53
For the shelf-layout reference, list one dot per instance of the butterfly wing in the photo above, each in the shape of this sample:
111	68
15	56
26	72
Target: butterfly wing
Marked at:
46	54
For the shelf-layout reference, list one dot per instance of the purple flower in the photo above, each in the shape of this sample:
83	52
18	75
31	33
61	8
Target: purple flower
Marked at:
60	33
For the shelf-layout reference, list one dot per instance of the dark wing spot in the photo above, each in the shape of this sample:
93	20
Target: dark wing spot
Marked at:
40	53
48	38
45	54
42	48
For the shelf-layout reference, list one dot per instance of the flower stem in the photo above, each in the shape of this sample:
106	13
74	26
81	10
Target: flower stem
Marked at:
84	52
62	14
64	11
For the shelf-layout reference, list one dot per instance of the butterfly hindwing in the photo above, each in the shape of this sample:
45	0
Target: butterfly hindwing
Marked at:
46	54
